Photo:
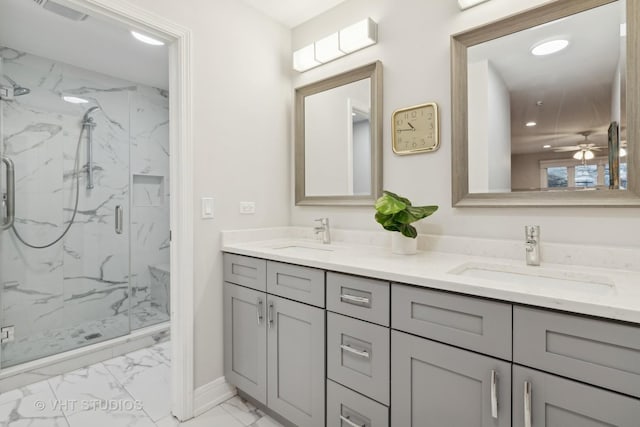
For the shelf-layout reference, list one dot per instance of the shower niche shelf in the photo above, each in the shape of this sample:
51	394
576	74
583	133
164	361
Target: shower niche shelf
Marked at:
148	190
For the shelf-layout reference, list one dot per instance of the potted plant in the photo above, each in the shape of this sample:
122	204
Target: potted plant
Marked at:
395	213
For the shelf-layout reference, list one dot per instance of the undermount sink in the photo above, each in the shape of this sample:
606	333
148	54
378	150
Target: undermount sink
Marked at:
538	276
298	247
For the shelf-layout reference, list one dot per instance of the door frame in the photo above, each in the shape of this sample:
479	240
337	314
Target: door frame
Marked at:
180	46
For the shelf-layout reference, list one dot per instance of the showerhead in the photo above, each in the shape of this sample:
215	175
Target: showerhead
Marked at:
85	118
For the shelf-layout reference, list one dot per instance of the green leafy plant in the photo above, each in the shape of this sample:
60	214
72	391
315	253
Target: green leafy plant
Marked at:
395	213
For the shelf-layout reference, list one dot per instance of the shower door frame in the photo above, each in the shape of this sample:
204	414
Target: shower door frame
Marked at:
179	40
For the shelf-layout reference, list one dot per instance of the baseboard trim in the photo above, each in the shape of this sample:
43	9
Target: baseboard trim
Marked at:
212	394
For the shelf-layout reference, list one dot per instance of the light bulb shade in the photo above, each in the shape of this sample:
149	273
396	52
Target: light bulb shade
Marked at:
623	152
578	155
358	36
328	48
304	59
466	4
588	155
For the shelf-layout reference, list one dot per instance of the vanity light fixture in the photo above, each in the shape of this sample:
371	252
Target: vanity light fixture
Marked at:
74	99
530	124
549	47
466	4
146	39
350	39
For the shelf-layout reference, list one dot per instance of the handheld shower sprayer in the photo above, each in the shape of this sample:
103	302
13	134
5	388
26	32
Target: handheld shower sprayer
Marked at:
88	124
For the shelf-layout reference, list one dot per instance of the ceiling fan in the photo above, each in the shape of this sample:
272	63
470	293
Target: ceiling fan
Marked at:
584	151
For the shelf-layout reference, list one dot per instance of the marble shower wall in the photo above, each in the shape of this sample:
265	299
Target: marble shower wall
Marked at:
83	280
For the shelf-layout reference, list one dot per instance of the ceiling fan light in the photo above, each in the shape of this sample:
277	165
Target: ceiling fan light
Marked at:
623	152
588	155
578	155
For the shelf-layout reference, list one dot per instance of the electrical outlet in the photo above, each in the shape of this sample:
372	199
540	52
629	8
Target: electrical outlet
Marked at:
247	208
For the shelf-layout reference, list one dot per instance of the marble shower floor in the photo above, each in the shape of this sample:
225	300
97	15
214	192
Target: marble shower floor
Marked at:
128	391
54	341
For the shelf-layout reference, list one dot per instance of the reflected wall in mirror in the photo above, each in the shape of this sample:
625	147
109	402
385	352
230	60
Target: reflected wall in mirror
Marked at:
338	146
547	98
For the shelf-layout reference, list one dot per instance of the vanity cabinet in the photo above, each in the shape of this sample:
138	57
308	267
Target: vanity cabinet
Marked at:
399	355
275	347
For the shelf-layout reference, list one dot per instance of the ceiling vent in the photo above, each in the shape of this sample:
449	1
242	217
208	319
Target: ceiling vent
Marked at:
61	10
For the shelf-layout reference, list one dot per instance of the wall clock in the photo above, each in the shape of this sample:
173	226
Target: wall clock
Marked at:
415	129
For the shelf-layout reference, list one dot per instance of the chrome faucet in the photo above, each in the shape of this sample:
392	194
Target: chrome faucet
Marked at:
532	244
324	229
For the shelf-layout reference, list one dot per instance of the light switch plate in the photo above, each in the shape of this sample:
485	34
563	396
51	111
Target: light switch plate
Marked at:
207	207
247	208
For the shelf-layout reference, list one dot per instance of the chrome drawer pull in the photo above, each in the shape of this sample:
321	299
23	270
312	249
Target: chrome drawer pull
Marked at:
260	315
351	423
354	299
527	404
270	315
494	394
361	353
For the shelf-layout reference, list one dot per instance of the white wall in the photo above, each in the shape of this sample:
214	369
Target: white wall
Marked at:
414	37
242	107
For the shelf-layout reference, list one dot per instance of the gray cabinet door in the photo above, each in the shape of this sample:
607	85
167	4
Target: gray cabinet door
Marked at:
296	361
436	385
558	402
245	340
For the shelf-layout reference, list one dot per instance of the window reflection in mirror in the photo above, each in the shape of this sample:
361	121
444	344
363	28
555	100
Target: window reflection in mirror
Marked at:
540	122
337	137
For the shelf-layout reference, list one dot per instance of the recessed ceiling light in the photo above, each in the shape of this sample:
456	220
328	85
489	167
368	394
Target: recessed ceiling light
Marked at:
75	100
539	103
147	39
546	146
530	124
547	48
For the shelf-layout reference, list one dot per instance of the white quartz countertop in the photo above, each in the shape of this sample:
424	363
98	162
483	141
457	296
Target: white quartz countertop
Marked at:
618	299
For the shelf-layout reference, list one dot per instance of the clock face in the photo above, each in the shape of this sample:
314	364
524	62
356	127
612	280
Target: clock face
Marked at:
415	129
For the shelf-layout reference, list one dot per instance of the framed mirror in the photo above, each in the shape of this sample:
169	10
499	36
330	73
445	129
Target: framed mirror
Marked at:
338	139
545	107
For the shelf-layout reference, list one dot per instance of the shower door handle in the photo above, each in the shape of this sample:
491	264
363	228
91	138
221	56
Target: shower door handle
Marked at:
119	218
9	198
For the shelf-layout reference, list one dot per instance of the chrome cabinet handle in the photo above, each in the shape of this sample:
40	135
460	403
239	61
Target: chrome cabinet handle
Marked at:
9	199
351	423
527	404
119	218
494	394
270	315
260	315
354	299
361	353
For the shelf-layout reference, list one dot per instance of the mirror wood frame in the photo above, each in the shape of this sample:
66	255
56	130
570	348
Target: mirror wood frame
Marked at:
460	139
374	72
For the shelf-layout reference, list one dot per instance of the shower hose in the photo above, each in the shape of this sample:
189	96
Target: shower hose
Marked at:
75	208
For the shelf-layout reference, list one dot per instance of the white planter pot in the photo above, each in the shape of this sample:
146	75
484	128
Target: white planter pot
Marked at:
403	245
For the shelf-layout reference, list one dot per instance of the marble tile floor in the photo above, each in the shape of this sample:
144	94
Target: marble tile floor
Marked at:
127	391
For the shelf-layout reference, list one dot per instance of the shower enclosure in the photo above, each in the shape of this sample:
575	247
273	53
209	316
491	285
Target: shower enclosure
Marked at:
84	215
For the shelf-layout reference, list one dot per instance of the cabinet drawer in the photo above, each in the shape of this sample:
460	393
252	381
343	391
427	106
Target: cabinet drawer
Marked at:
360	297
358	356
476	324
591	350
245	271
346	408
557	401
298	283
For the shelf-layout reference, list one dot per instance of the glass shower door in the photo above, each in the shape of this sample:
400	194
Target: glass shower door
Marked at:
64	267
